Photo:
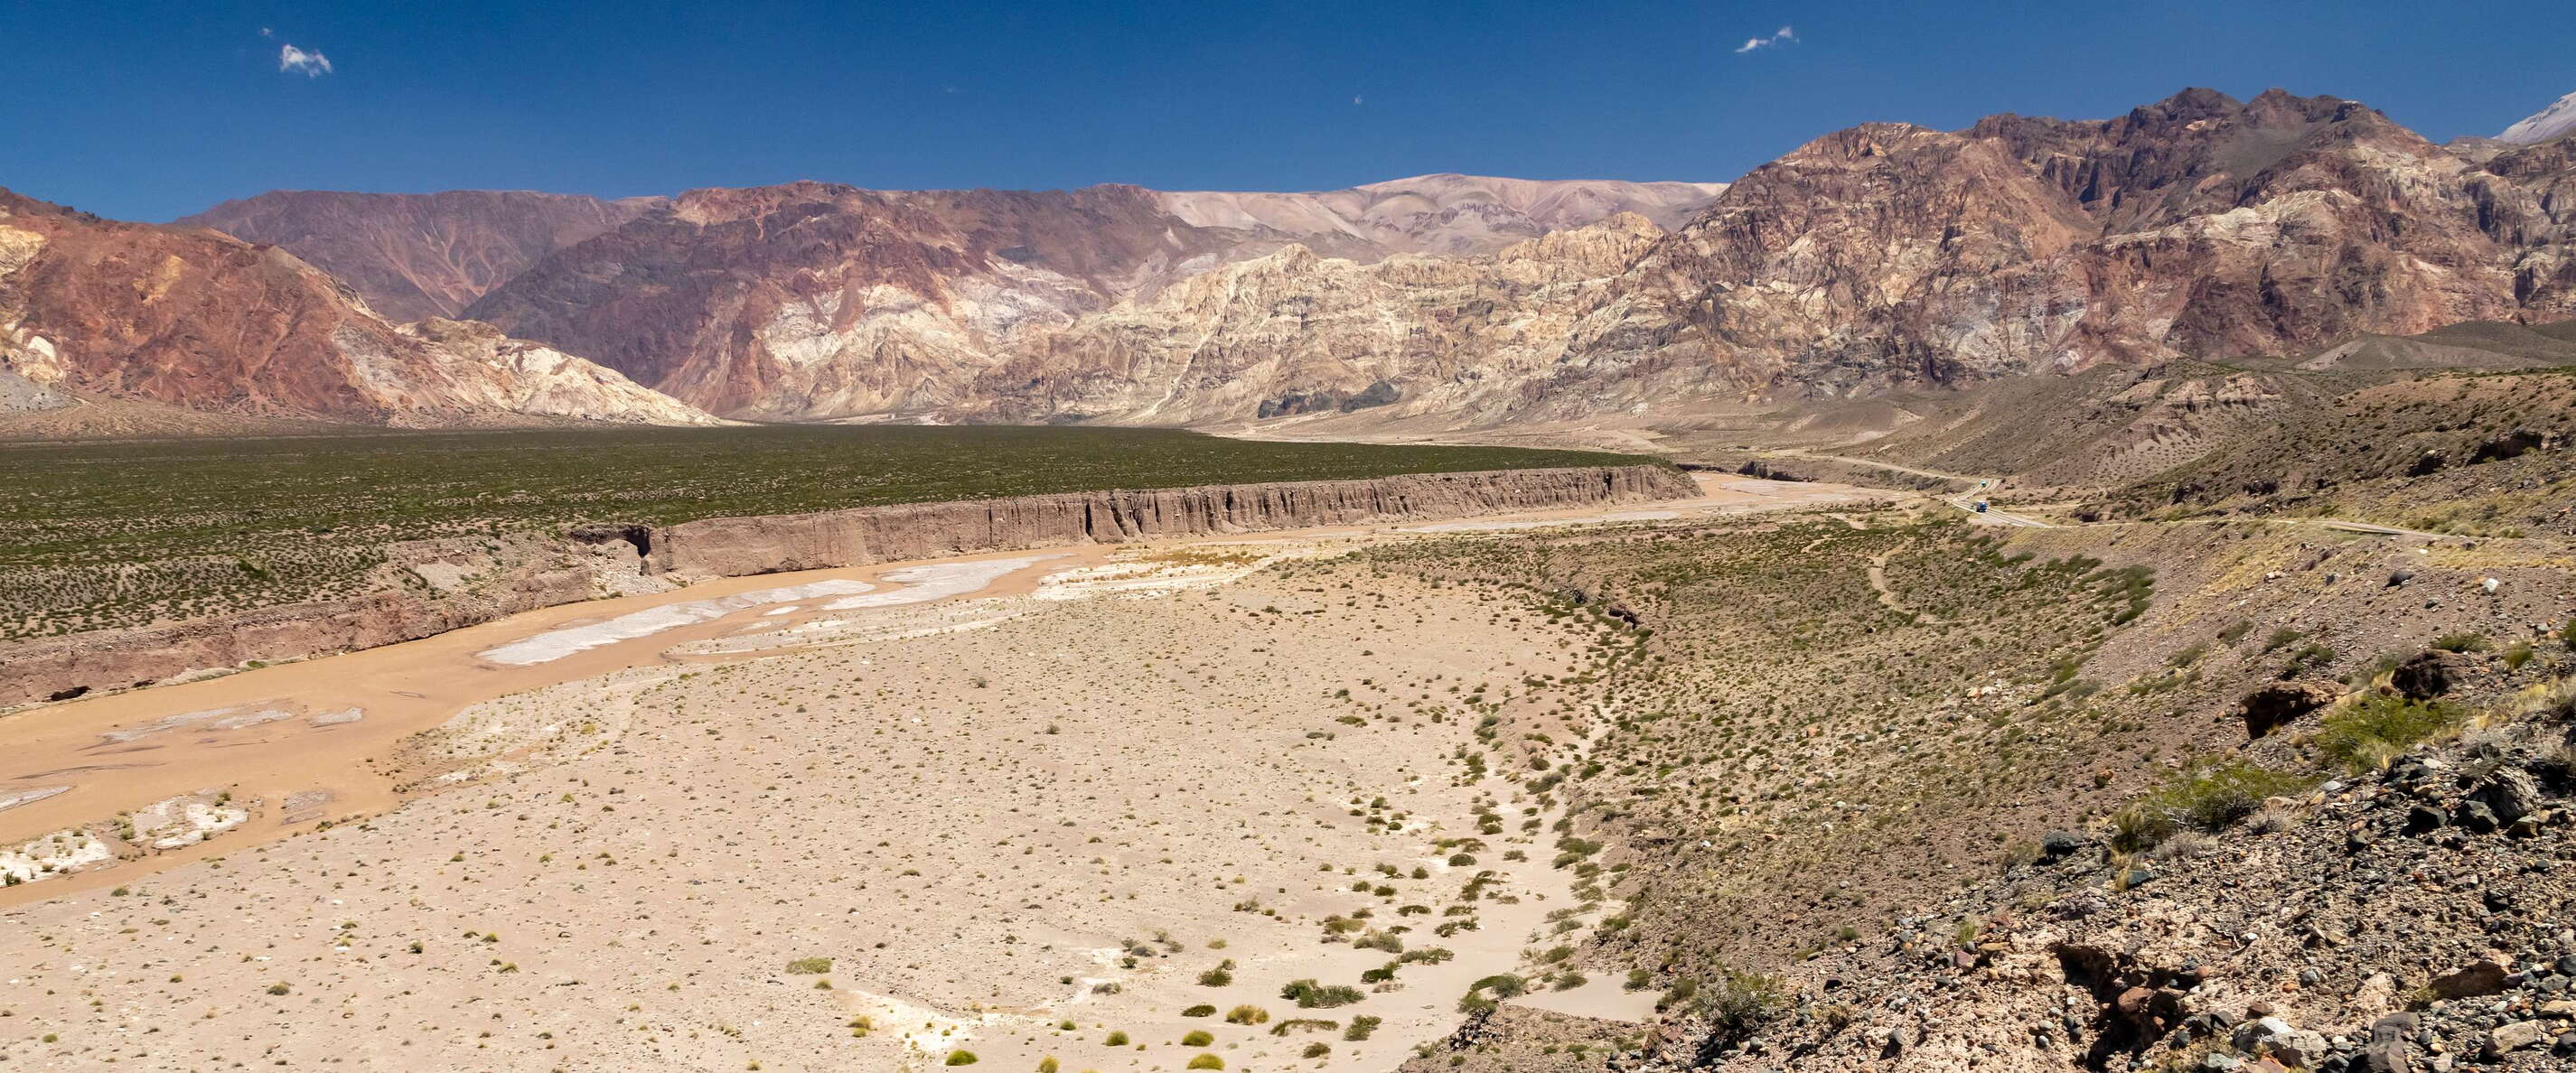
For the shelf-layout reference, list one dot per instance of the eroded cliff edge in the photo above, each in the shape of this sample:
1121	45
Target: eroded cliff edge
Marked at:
432	586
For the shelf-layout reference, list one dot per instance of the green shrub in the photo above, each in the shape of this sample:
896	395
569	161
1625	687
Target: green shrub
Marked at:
2307	657
2373	731
1247	1015
1743	1002
1362	1027
809	966
1200	1010
960	1058
2207	798
1303	1024
1207	1061
1116	1039
2463	641
1197	1037
1311	995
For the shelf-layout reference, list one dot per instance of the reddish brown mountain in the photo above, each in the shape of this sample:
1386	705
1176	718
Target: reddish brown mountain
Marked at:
811	299
2197	226
188	318
419	255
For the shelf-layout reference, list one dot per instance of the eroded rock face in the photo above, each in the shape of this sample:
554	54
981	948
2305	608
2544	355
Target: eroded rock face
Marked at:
198	320
759	545
2272	706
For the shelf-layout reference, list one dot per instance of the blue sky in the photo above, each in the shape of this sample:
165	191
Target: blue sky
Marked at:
147	110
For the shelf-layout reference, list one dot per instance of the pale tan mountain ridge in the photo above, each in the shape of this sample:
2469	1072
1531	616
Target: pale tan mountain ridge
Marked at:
1441	213
1447	329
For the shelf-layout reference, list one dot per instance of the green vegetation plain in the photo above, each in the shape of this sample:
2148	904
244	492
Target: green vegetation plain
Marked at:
99	535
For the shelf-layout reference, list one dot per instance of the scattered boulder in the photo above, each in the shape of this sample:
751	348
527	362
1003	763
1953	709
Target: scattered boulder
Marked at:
2276	705
2513	1036
2386	1052
2275	1038
2486	976
2511	794
2476	818
2057	846
2429	674
2151	1012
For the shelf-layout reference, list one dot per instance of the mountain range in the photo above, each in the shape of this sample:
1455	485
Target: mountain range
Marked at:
1881	256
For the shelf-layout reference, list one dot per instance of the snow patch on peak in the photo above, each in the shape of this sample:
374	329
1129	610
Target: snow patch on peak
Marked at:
2551	122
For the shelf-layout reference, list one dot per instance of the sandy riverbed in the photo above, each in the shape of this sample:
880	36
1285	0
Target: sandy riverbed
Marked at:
994	811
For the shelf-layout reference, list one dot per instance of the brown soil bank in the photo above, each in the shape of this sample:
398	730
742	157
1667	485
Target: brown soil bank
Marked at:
436	586
735	546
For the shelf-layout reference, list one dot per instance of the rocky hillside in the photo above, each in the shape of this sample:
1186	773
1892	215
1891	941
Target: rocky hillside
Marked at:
1891	792
419	255
98	311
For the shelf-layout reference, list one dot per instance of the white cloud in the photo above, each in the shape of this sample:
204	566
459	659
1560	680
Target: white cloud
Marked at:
297	61
1784	37
1358	99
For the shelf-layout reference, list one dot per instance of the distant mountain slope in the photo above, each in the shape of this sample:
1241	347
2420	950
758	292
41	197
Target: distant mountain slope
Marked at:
2557	120
815	300
187	318
423	255
1882	257
419	255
